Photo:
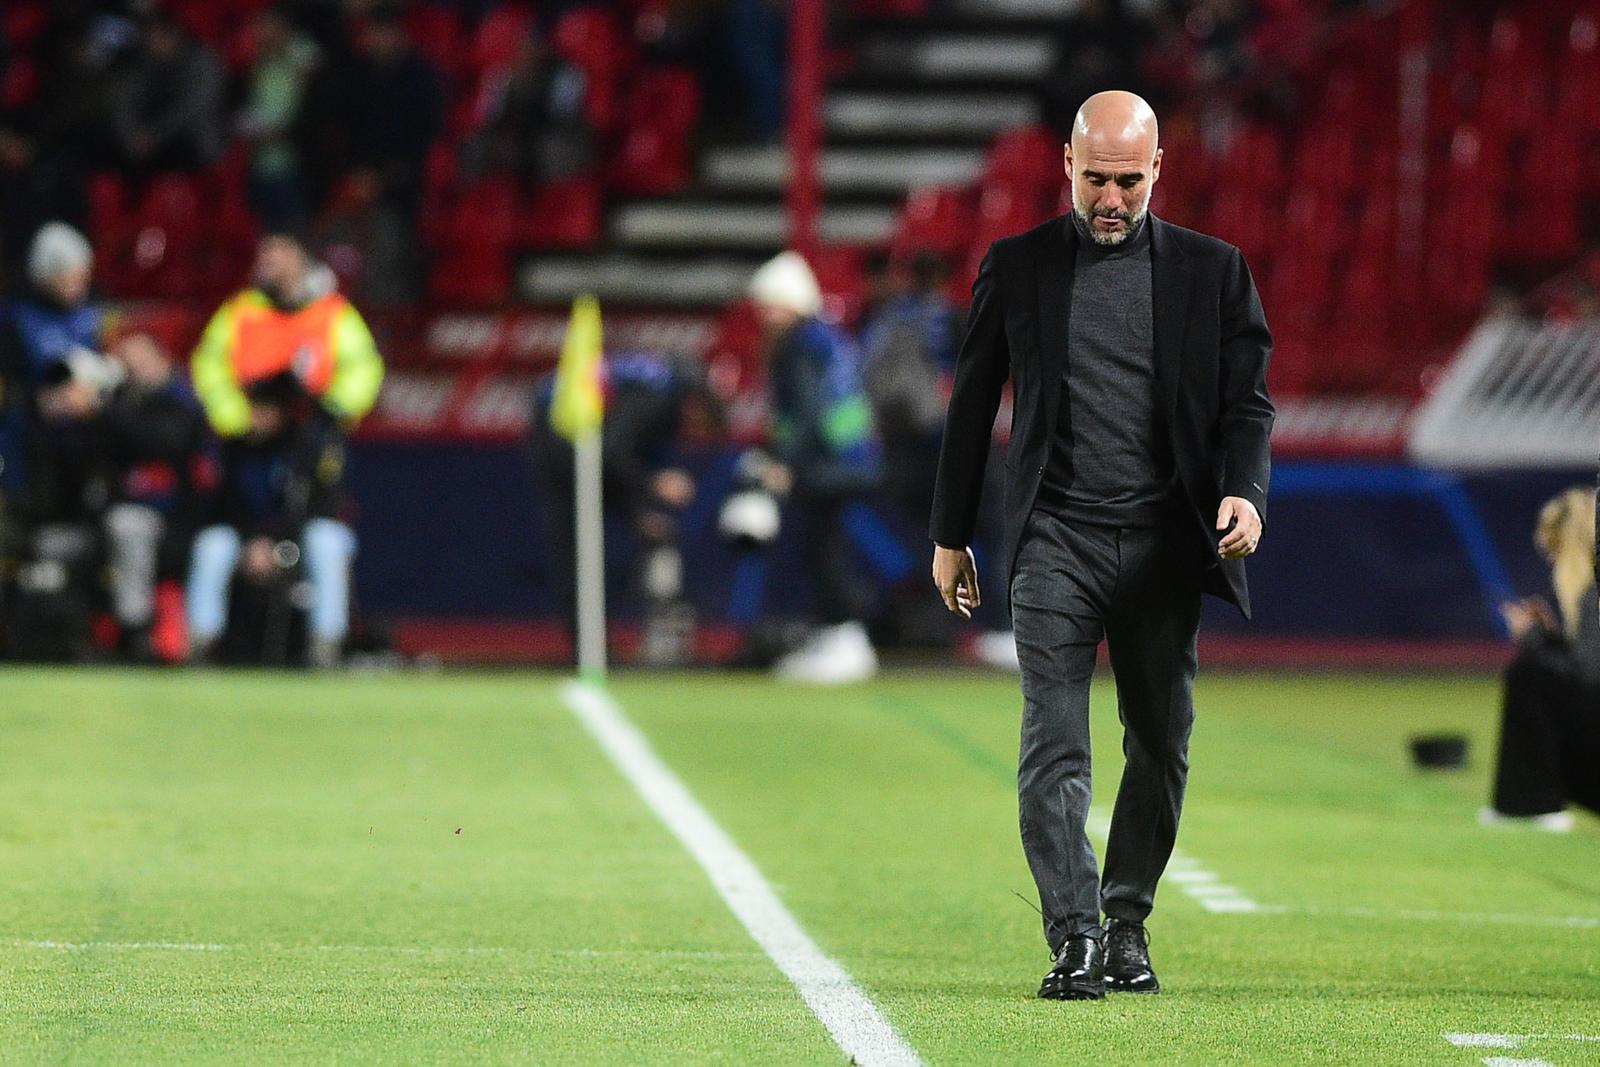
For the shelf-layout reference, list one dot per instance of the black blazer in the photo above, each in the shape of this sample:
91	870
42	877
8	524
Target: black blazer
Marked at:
1211	348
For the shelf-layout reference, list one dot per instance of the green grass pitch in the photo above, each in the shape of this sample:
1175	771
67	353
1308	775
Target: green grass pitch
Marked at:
446	869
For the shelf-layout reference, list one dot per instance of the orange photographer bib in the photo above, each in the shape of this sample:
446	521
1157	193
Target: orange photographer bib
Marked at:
267	342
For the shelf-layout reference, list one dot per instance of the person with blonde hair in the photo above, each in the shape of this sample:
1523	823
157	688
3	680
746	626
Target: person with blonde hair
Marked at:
1550	720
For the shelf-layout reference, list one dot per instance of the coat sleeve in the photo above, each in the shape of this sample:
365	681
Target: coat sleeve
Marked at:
1247	412
357	369
211	371
982	367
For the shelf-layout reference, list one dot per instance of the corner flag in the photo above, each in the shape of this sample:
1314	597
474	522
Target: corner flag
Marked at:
577	407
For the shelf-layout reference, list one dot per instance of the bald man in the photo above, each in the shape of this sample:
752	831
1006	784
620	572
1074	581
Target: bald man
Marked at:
1136	479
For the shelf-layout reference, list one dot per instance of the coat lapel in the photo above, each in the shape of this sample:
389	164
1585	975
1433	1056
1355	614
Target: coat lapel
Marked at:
1170	286
1056	258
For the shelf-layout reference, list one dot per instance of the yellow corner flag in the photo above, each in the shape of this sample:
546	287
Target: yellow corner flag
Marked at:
577	407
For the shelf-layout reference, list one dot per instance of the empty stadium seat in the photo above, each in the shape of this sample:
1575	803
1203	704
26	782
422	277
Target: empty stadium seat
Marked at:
934	219
1029	157
653	156
565	214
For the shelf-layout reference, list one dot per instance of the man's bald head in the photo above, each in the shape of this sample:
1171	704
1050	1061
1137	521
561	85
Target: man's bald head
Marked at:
1113	160
1117	118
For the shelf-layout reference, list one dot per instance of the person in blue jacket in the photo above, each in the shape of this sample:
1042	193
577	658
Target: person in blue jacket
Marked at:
50	357
828	458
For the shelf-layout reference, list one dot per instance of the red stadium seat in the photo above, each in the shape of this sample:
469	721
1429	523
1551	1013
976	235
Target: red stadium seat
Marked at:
565	214
476	239
1029	158
1314	222
733	361
840	274
21	22
436	29
1325	161
588	37
934	219
1253	160
653	157
1577	102
495	41
164	239
1247	223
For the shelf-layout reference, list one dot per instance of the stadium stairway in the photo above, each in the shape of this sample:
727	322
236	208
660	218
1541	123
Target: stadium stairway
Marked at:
910	105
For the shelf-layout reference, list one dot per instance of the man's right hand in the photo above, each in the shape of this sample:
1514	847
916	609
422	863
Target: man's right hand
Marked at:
955	574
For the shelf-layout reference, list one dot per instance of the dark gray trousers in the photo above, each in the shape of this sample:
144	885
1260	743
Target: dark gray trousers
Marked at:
1074	584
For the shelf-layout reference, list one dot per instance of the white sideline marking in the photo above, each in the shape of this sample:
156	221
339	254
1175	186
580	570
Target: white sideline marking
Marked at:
1484	1040
1576	922
857	1026
401	950
1510	1041
119	946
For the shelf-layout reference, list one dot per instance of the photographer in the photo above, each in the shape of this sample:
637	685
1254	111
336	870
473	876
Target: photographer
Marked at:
829	458
645	404
284	371
1550	727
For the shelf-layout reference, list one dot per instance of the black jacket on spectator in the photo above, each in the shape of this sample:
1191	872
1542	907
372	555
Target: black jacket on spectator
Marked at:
396	110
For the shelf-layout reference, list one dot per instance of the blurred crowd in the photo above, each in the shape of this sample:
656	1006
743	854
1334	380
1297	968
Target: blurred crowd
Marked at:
193	513
344	116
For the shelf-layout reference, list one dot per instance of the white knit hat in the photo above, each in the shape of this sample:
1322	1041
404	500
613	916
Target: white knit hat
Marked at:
786	281
57	248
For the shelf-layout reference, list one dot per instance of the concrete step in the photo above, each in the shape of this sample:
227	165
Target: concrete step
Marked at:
948	116
958	57
749	226
633	280
887	171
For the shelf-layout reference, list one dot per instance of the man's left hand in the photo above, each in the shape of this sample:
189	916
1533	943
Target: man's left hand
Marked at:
1242	540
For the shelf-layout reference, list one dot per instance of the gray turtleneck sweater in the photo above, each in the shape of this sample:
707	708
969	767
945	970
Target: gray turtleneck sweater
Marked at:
1110	461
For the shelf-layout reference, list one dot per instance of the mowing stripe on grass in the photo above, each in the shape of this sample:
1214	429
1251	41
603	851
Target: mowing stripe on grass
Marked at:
854	1021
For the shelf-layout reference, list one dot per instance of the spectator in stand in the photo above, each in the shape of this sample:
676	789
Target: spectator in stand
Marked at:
1097	48
277	84
54	379
50	330
152	444
829	458
54	137
531	122
167	112
284	371
395	112
1550	719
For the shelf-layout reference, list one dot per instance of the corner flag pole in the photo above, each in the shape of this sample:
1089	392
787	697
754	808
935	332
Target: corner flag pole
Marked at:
591	561
576	412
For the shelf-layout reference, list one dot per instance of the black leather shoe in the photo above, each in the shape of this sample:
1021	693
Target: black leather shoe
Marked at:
1128	967
1079	972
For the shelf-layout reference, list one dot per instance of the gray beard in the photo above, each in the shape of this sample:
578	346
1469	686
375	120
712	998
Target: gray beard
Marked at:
1112	240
